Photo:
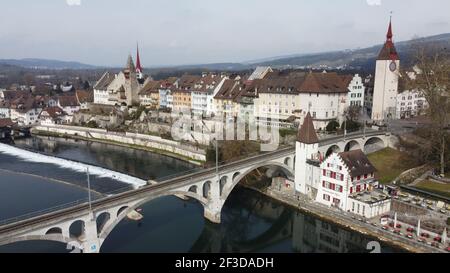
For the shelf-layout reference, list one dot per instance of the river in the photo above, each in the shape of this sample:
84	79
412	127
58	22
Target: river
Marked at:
250	222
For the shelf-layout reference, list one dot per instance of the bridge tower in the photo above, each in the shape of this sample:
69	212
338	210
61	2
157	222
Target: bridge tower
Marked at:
306	151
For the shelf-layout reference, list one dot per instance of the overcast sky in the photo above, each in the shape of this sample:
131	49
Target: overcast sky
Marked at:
172	32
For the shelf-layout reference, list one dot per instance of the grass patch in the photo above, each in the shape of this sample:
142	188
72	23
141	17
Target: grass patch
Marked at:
437	188
390	163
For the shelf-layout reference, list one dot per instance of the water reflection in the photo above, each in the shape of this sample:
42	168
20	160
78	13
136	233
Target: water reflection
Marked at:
253	223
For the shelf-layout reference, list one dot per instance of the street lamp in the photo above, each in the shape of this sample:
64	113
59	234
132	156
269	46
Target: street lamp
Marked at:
89	189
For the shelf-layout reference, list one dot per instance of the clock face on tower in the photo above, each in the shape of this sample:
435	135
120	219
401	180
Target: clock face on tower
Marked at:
393	66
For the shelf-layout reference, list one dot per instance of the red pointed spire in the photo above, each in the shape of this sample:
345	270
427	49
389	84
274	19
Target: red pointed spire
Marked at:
138	61
389	33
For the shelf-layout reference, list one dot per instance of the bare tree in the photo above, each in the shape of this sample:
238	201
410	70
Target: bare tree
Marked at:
353	112
431	77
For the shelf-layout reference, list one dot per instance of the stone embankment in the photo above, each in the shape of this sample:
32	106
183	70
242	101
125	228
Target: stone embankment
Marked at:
155	144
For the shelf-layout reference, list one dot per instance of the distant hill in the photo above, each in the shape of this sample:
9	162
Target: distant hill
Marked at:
46	64
361	58
358	59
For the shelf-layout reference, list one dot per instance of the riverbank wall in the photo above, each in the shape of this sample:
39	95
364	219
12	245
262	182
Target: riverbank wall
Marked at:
150	143
345	221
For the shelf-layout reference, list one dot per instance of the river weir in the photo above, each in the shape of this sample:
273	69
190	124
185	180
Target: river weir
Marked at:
70	164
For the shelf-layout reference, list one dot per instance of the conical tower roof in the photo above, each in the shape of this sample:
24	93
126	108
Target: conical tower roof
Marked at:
307	133
130	64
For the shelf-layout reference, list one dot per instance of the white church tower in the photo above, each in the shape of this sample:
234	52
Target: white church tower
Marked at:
306	154
386	81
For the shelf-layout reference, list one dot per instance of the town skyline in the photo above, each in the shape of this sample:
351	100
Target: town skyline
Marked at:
167	40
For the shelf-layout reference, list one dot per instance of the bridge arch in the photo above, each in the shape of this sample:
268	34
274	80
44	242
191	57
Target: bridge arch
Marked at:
193	189
240	176
121	210
333	149
109	227
374	144
288	162
101	220
207	189
48	237
236	174
76	229
352	145
222	183
54	230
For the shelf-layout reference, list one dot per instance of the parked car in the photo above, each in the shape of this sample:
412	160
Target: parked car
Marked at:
425	235
410	229
409	235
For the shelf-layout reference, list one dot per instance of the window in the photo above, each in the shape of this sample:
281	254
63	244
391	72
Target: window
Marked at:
326	197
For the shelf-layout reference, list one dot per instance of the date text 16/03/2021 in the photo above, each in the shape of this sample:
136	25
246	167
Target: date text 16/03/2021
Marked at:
225	263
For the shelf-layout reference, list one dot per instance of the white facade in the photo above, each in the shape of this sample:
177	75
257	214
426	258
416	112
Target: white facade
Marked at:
276	104
102	97
324	107
307	172
165	98
410	104
356	92
335	187
5	112
385	90
203	93
26	118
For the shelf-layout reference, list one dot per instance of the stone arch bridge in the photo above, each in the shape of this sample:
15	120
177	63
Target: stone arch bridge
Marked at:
209	187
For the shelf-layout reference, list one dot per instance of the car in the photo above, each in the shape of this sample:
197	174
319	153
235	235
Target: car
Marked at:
448	249
375	225
401	233
391	224
430	208
443	211
385	227
437	239
425	235
410	229
398	226
420	240
409	235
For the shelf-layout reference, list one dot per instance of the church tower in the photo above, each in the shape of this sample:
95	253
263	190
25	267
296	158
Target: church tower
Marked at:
139	69
386	81
306	153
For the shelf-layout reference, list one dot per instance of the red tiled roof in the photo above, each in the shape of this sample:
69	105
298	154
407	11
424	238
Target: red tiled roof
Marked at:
53	112
307	133
66	101
323	83
357	163
6	122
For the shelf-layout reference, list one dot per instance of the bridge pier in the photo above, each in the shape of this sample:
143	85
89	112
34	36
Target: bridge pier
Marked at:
91	242
212	215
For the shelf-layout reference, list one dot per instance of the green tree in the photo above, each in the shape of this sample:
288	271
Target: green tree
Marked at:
332	126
